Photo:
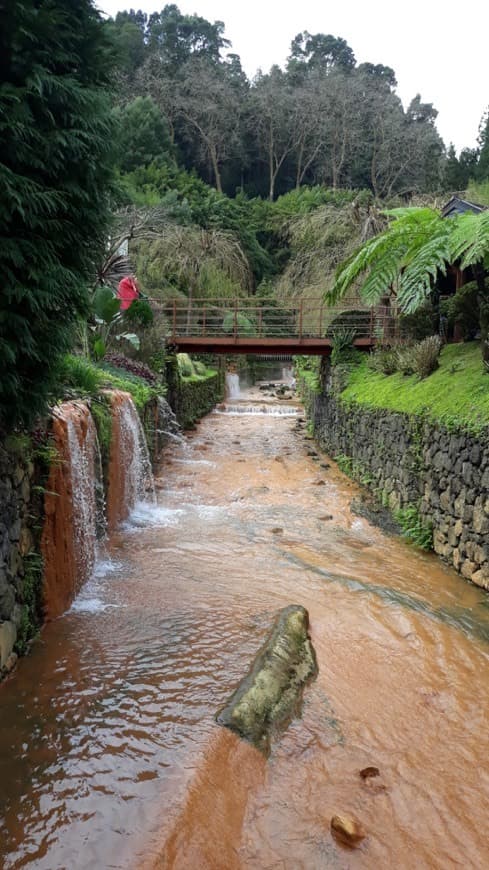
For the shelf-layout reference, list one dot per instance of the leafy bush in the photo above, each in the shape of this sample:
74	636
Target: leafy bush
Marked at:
244	325
139	313
342	346
426	354
420	324
405	359
185	365
120	361
383	360
463	309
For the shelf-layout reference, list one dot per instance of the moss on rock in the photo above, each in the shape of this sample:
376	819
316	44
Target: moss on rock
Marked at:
271	693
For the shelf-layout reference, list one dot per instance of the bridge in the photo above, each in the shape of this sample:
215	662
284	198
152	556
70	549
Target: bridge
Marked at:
252	326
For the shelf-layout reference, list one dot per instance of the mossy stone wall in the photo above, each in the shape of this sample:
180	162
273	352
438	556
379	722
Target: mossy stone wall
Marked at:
20	563
407	460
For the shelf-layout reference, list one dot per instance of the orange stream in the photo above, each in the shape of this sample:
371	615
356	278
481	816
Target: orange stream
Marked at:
109	753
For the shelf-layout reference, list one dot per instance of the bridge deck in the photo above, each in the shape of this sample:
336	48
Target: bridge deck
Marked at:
246	326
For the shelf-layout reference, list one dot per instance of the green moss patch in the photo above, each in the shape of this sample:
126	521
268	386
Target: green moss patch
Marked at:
457	394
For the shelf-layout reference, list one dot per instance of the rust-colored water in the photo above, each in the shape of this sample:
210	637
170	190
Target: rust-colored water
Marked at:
110	756
69	534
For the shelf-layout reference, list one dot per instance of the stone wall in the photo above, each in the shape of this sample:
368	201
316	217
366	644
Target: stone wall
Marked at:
409	461
20	568
192	398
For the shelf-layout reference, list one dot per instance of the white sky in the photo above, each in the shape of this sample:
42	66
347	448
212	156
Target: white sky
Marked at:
438	48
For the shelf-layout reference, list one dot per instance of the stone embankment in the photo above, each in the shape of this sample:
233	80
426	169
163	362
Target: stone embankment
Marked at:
17	477
414	463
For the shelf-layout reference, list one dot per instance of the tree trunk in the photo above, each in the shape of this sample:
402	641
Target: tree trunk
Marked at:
215	167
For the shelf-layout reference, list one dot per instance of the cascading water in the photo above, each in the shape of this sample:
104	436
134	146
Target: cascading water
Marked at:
232	386
73	507
264	408
167	423
130	473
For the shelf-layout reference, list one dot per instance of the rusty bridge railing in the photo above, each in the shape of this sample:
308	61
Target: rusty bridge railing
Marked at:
239	319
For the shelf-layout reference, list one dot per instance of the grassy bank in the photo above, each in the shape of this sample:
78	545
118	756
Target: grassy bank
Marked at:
457	394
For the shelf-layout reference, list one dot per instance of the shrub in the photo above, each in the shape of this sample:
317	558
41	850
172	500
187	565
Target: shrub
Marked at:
342	346
383	360
185	365
463	309
425	354
120	361
420	324
405	359
139	313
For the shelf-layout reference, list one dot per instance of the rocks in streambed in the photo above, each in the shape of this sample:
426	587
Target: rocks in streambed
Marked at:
271	693
348	830
368	772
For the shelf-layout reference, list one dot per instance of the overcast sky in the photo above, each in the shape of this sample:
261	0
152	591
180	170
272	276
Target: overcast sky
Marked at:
438	48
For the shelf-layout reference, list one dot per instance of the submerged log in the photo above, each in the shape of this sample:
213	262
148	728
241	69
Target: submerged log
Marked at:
271	693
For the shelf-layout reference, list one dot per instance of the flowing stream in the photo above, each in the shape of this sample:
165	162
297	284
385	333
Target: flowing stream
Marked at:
110	756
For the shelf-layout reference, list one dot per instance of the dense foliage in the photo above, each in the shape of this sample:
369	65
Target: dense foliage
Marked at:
55	170
324	119
220	186
406	258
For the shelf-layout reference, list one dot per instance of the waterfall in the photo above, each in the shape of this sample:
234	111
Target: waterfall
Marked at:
130	474
73	507
232	386
167	424
271	409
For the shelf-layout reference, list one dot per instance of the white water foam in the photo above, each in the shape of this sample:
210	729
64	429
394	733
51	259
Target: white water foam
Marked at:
89	599
272	410
146	514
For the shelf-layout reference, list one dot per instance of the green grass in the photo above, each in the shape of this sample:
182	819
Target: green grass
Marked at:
457	394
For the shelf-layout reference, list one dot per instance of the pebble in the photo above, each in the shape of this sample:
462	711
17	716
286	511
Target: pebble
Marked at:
348	830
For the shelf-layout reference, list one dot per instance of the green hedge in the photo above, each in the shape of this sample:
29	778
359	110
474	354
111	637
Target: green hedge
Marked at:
196	396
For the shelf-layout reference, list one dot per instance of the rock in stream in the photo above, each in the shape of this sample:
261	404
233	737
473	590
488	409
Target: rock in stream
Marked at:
271	693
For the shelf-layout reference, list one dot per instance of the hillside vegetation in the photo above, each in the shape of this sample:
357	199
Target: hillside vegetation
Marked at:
457	394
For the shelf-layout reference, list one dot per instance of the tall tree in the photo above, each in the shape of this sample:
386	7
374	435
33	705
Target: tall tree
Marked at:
142	133
209	105
273	116
482	169
321	51
55	171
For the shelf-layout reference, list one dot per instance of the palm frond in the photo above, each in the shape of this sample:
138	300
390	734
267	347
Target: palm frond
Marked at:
470	238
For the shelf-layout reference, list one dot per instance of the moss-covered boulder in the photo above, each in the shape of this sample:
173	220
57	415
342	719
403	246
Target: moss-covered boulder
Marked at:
271	693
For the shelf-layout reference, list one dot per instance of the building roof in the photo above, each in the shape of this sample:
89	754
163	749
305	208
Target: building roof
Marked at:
456	205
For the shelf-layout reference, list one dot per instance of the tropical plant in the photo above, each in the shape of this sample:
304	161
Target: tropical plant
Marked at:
108	320
407	257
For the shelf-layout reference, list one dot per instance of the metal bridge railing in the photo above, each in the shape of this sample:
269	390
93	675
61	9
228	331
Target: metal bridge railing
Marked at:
238	319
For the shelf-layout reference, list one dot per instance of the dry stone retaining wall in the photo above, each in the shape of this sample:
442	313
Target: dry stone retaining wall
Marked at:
412	461
16	542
